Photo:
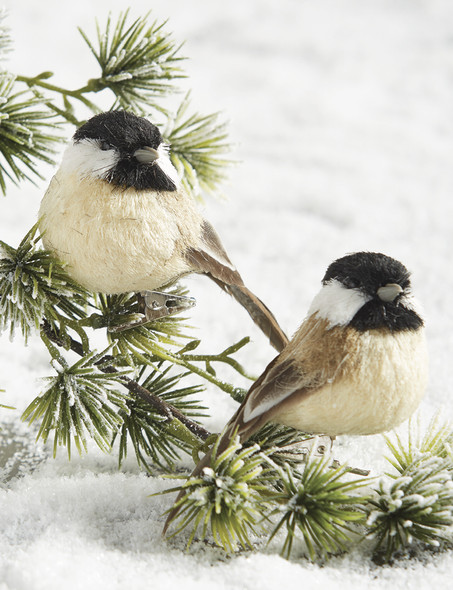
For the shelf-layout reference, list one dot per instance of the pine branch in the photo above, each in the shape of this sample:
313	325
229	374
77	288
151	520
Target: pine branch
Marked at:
138	62
150	438
27	133
167	411
67	113
141	346
414	507
198	144
80	400
436	441
35	289
33	285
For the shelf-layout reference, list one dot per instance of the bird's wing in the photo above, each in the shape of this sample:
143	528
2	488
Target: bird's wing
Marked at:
211	258
281	379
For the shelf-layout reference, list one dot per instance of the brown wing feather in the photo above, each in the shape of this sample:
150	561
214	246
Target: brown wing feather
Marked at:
211	259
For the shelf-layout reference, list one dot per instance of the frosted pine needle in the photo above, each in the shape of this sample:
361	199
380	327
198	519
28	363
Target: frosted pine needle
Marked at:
225	498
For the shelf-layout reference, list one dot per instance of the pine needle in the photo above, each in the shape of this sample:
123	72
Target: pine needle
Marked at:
225	499
138	62
27	133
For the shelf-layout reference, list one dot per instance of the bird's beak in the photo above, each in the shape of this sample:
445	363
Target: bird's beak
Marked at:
146	155
389	292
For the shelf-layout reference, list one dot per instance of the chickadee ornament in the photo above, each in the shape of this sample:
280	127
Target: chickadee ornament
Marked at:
357	365
116	213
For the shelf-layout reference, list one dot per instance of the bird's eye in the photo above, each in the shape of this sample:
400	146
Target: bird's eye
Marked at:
105	146
351	283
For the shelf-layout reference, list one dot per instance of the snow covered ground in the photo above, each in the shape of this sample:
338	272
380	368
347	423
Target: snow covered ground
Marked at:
341	115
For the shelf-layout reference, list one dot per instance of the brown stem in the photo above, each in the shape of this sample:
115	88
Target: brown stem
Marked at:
162	407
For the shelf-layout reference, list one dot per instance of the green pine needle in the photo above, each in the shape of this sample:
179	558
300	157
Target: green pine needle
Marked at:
7	407
415	505
198	144
138	62
320	504
281	444
80	402
153	438
225	498
5	38
133	343
437	441
34	285
3	406
27	133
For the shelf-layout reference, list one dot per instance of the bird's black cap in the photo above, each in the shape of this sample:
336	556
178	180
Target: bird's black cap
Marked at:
368	272
126	133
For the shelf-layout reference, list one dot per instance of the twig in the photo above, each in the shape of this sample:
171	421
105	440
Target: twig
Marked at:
93	86
355	470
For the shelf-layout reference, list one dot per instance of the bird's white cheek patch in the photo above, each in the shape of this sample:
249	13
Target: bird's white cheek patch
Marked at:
86	159
165	164
337	304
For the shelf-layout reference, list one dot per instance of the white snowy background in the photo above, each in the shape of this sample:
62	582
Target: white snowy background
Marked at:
341	116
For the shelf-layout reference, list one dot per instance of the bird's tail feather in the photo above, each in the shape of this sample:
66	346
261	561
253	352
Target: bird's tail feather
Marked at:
258	311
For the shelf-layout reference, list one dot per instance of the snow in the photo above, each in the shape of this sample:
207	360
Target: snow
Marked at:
340	116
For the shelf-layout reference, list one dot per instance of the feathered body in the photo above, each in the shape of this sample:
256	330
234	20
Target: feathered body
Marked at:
336	380
358	364
117	215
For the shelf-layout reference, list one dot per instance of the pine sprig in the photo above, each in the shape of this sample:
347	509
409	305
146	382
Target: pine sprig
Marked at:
80	402
225	498
152	436
321	505
415	505
27	133
34	285
144	345
138	62
179	421
198	144
435	441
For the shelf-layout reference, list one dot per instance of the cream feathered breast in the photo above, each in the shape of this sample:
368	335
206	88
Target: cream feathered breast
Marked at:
380	381
118	240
